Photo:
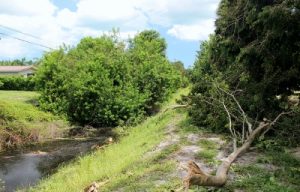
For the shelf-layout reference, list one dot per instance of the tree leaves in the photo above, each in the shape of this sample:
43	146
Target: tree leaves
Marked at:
100	82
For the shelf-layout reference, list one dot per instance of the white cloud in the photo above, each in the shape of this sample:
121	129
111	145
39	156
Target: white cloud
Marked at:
27	8
66	18
170	12
55	26
107	10
10	48
195	32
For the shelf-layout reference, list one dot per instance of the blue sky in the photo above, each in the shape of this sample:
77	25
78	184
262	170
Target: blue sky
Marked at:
183	23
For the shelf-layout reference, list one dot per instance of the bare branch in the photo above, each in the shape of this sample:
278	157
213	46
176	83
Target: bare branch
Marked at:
229	119
279	116
234	144
240	108
274	121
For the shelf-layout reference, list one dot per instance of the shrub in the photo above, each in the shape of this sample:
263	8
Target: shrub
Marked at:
102	83
17	83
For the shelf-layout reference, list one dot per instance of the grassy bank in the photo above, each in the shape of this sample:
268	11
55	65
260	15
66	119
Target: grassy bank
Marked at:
21	121
148	157
112	162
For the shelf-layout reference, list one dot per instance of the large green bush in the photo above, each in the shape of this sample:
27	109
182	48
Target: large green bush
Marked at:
100	82
17	83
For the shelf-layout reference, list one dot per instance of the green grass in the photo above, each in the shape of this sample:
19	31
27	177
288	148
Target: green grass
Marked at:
209	151
19	117
165	153
186	126
19	106
18	96
152	174
208	144
113	163
255	178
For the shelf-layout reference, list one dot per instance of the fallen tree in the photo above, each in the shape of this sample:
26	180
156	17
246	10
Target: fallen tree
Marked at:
244	135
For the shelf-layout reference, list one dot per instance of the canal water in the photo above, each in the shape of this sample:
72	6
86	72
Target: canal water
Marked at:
24	168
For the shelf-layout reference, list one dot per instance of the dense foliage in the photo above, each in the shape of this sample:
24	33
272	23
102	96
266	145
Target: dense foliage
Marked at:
179	66
17	83
103	82
255	53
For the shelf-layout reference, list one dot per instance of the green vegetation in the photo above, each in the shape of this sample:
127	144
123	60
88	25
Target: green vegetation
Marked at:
253	178
147	175
209	150
283	174
17	83
114	162
244	76
255	57
17	62
22	122
243	80
102	83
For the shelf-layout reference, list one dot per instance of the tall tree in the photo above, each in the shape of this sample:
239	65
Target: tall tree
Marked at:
153	72
244	74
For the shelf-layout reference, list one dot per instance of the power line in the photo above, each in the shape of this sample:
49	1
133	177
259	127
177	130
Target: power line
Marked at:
33	43
18	31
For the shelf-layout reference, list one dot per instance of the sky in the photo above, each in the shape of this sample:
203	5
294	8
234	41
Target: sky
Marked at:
51	23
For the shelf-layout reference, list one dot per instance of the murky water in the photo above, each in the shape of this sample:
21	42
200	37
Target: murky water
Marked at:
21	169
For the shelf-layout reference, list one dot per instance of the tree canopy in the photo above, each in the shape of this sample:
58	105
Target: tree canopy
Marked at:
255	53
104	82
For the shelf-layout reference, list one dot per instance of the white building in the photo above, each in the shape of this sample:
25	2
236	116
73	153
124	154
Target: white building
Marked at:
25	71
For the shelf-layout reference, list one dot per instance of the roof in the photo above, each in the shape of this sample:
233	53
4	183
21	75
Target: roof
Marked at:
11	69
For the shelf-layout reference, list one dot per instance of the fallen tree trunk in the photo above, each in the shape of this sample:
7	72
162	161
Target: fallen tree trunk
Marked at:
196	176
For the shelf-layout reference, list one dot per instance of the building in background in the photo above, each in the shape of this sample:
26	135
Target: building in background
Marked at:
24	71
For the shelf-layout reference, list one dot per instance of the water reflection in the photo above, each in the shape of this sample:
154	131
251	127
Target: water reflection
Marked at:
20	171
26	168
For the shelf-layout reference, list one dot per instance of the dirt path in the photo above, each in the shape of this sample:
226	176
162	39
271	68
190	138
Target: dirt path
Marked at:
191	151
165	165
172	138
189	148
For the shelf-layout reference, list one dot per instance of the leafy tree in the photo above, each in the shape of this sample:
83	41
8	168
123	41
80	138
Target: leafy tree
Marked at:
102	83
244	75
180	67
256	50
152	72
